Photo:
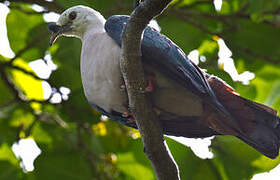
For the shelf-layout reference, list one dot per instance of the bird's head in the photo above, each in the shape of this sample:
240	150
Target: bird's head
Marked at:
75	21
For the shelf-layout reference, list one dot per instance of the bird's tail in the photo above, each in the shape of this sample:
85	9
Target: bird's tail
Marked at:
258	123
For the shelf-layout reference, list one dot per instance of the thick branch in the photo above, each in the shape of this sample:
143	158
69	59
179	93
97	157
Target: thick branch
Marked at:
139	104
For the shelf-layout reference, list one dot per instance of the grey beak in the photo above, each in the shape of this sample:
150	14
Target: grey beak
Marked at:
56	31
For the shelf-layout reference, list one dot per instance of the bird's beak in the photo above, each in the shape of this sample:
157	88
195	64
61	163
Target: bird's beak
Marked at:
57	31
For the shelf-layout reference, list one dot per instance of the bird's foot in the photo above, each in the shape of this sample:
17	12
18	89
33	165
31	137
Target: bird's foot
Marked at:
131	119
151	83
123	87
127	113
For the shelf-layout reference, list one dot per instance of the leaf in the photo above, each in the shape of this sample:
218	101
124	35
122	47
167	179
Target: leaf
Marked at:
62	164
40	135
246	37
100	5
8	171
184	35
208	47
21	118
129	166
274	94
240	161
7	154
8	133
9	164
232	6
32	34
190	166
6	95
31	87
134	163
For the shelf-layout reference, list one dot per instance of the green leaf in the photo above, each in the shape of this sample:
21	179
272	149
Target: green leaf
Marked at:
274	94
21	118
190	166
8	171
32	34
31	87
240	161
256	5
258	38
100	5
9	164
7	154
184	35
129	166
6	95
62	164
134	163
40	135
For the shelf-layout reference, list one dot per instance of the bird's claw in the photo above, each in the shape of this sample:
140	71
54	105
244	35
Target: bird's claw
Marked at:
151	81
127	114
131	119
123	87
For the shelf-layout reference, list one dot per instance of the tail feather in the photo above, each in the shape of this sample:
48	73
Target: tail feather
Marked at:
259	123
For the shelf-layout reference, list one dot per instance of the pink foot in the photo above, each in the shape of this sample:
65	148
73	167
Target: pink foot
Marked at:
151	81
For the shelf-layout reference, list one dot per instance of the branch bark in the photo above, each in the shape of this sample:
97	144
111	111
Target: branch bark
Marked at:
154	146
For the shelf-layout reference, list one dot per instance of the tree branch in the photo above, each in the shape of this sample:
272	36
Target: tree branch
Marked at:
148	125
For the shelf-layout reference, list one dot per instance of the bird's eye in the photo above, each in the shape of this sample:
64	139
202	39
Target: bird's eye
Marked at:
72	15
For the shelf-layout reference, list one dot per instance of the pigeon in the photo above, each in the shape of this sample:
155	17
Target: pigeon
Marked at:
188	101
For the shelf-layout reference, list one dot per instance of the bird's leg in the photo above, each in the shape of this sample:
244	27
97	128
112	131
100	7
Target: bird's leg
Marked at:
151	83
122	87
150	88
128	115
131	119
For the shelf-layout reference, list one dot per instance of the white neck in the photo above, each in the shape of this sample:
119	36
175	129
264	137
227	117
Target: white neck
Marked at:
92	30
95	24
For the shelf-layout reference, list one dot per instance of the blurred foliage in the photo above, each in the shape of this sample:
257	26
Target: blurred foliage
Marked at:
76	144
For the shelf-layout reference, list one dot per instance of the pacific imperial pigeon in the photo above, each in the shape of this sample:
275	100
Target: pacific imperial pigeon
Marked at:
188	101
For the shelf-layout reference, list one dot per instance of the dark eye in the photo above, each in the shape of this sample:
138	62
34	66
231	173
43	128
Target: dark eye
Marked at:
72	15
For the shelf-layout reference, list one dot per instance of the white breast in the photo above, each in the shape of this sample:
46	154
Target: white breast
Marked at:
101	77
101	74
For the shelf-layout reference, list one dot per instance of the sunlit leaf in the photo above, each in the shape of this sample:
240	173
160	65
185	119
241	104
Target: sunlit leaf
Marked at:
21	118
27	32
30	86
134	163
7	154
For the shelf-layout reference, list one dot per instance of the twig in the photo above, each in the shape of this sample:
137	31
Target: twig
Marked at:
18	94
91	157
8	103
28	12
197	3
11	85
132	70
30	73
251	53
136	3
186	17
51	6
37	39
